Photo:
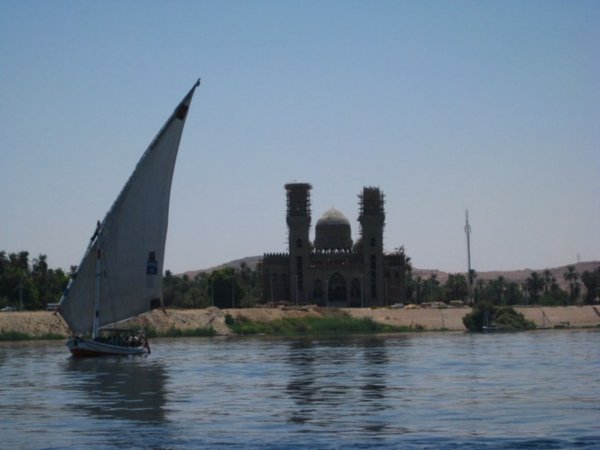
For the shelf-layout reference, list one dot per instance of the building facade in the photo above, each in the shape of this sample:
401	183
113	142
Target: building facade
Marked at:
332	270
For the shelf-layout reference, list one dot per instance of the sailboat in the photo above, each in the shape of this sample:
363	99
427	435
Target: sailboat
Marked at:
120	274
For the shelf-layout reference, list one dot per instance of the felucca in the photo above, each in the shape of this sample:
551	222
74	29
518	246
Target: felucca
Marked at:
120	275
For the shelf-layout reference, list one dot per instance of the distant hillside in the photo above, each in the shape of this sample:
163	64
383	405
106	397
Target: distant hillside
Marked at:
516	275
251	261
513	275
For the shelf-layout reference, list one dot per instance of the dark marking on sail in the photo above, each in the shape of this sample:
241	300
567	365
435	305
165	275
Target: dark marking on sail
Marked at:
151	264
182	111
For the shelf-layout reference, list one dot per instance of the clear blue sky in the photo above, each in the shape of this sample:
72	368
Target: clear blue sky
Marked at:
445	105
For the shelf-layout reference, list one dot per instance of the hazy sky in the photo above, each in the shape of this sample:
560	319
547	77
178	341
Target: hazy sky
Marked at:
491	106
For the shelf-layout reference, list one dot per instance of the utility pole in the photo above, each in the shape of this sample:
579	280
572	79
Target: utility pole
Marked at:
469	273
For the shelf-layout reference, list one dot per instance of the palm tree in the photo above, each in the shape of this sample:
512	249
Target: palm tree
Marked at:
3	261
418	289
534	285
23	261
549	281
432	291
479	287
40	265
572	277
591	281
456	287
406	272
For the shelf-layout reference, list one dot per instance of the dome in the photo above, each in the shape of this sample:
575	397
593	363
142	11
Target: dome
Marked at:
332	231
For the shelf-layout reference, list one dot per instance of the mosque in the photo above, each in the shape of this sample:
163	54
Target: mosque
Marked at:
332	270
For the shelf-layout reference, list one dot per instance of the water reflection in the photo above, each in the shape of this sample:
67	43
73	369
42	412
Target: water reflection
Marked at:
120	388
301	386
337	377
435	390
376	359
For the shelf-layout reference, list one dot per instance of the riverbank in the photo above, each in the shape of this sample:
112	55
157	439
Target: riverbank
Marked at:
45	324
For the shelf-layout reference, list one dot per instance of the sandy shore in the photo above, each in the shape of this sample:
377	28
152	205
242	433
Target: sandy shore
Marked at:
40	323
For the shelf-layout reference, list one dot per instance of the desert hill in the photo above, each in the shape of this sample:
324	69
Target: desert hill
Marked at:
251	261
512	275
516	275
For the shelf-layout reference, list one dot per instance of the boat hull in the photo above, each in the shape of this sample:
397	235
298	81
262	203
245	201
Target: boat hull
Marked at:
83	348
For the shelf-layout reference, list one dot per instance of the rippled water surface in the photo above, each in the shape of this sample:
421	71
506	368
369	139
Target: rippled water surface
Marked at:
443	390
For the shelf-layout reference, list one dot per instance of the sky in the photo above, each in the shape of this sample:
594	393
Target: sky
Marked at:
446	106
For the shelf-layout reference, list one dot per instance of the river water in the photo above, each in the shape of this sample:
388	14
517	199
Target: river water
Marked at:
534	390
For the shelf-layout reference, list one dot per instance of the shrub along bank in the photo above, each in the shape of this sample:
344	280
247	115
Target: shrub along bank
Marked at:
486	316
316	326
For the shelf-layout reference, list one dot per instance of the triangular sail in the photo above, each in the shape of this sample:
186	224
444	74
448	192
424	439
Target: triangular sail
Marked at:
131	240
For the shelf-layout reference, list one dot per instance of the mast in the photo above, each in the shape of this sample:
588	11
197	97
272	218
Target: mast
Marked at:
96	324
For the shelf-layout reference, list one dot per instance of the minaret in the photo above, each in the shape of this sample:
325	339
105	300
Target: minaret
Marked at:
372	220
298	221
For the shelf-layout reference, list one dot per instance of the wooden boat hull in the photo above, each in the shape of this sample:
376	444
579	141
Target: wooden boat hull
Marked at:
82	348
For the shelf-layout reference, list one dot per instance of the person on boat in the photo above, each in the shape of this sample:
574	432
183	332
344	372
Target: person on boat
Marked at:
98	228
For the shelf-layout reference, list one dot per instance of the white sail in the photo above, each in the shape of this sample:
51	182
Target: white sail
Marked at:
130	241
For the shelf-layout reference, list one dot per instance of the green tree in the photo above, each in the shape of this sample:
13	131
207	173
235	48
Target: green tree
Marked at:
485	315
572	278
57	282
3	262
248	280
401	260
534	285
493	291
20	260
499	292
174	289
554	296
40	276
549	281
29	286
194	296
513	294
18	286
49	283
225	288
260	287
456	287
432	290
227	292
591	281
478	290
417	289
